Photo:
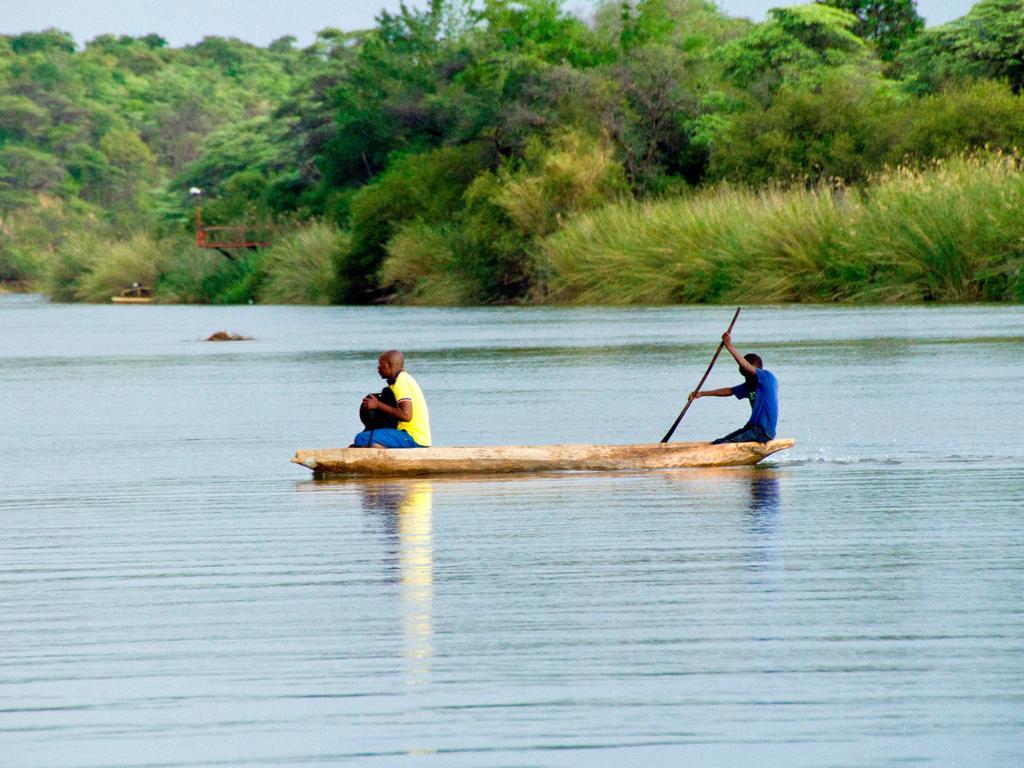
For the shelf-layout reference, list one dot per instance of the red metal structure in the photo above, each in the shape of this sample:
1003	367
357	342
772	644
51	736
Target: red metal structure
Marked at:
222	238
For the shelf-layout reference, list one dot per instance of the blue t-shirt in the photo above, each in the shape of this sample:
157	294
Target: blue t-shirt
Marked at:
764	401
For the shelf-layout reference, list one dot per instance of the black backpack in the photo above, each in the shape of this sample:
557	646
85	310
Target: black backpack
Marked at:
378	419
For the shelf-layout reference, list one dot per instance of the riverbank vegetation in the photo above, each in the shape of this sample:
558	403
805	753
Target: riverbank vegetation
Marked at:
505	151
948	232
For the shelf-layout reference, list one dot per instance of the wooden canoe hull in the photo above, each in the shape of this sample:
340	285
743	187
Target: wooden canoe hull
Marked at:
531	458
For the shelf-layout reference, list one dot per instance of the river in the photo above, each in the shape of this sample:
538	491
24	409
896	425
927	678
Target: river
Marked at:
174	592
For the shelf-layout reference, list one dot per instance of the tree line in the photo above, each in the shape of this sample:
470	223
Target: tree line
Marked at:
436	156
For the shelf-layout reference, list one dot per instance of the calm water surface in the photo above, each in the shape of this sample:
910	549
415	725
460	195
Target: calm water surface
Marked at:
174	593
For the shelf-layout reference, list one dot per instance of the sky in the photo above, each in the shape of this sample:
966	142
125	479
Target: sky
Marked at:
182	22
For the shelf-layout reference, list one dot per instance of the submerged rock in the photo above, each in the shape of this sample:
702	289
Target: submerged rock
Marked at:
225	336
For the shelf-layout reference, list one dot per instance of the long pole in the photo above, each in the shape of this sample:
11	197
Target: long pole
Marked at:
703	378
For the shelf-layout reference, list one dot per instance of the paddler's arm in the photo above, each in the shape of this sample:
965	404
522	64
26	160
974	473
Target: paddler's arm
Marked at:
403	412
748	369
723	392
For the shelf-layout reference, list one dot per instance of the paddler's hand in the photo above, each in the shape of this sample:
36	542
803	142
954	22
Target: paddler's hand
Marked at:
727	339
693	396
370	402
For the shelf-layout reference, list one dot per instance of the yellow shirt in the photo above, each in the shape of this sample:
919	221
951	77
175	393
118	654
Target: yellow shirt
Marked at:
418	427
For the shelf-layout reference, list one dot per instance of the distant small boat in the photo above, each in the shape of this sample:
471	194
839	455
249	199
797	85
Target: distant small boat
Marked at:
531	458
137	294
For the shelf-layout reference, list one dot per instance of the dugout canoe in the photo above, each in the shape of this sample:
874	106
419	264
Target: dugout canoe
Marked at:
329	462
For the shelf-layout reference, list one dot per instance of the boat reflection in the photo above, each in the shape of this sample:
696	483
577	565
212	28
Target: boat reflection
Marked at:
764	501
407	506
763	518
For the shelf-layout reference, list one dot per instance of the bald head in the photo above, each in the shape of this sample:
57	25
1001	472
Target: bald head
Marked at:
394	357
390	364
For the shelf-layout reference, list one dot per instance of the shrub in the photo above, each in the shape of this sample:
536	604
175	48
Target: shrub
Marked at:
188	270
236	281
68	266
485	252
573	173
18	265
840	130
114	266
978	115
300	266
201	276
428	186
421	267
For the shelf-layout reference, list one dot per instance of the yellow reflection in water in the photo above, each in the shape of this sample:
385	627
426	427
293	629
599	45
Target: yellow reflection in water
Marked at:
406	507
416	564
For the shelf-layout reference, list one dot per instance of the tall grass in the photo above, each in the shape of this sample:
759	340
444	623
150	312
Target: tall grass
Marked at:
91	268
300	267
951	231
193	275
421	268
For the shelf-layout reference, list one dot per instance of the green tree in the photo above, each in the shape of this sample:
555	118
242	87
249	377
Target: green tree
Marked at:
798	45
25	173
283	44
644	21
383	101
986	43
887	24
21	119
541	29
450	74
842	130
245	146
48	40
983	115
131	165
652	129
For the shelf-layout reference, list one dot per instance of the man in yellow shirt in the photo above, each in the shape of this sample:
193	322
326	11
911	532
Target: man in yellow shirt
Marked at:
411	410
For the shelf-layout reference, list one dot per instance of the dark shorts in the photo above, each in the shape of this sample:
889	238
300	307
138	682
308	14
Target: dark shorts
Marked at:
748	433
385	438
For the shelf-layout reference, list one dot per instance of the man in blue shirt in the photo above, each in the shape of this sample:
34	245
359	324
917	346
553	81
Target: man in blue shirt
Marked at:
761	388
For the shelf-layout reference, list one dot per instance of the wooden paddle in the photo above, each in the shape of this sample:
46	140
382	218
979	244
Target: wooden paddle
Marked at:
686	407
